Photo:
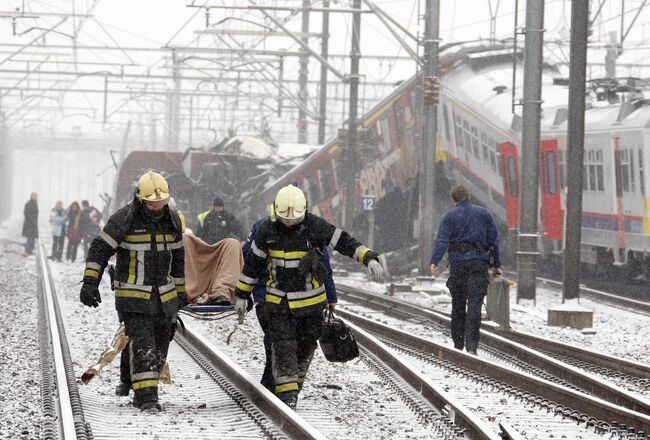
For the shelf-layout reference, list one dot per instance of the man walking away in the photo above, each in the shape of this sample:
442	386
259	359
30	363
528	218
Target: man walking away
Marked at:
30	224
469	235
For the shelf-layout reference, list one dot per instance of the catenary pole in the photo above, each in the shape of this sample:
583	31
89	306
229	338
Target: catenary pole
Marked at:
303	76
324	52
527	252
428	150
351	147
575	148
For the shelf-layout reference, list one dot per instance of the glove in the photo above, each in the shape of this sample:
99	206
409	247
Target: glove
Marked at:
89	295
241	307
375	270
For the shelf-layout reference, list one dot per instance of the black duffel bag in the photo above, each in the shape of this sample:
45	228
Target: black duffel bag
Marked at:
337	341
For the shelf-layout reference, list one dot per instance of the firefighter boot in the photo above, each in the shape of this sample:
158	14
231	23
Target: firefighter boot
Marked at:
122	389
290	399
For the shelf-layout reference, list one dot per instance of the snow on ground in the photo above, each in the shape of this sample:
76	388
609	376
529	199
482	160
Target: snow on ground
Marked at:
349	400
20	393
618	332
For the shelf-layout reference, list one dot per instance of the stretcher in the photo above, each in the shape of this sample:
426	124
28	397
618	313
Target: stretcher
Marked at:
208	312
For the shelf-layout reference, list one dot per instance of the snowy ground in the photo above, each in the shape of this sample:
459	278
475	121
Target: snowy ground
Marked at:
349	398
618	332
20	393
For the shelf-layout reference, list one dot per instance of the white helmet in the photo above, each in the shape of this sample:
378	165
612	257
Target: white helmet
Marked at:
290	205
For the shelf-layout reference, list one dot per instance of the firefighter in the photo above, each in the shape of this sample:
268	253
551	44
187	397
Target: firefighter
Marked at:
149	276
288	244
259	297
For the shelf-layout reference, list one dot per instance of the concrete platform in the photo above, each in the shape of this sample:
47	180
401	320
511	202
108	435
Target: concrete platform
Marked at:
570	315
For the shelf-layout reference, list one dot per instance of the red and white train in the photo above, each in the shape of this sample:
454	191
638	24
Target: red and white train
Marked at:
479	145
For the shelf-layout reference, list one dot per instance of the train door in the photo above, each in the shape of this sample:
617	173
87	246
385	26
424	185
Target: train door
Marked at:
620	257
552	212
510	167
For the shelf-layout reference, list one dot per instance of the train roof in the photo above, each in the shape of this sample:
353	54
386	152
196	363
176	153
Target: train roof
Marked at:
482	84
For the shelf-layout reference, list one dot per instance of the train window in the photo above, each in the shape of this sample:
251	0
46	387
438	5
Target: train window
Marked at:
641	174
512	177
467	141
493	161
563	171
593	177
475	142
458	130
551	175
628	182
445	117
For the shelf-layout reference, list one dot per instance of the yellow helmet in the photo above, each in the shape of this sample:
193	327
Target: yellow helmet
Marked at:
152	187
290	204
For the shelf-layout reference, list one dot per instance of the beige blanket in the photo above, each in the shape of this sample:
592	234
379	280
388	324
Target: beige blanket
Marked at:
211	271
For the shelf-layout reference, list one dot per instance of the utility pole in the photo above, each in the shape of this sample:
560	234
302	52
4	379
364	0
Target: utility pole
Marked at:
175	107
6	173
324	52
351	147
532	103
575	148
428	147
303	76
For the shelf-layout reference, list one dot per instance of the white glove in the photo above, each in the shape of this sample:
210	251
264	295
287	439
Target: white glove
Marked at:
375	270
240	306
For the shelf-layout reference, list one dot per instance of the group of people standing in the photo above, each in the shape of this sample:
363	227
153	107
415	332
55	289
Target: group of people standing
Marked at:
80	224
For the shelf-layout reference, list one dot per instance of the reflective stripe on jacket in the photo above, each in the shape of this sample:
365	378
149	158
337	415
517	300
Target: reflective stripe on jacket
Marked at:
150	261
280	249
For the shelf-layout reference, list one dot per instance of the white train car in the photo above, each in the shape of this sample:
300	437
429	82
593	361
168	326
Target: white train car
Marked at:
480	141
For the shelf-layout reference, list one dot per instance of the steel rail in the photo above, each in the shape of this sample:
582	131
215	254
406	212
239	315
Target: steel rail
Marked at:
72	424
292	424
571	375
642	307
576	400
436	398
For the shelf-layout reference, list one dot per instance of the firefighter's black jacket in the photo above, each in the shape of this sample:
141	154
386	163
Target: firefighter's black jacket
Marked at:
150	260
280	249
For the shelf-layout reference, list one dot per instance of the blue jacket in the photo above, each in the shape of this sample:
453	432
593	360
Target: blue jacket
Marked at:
470	224
259	293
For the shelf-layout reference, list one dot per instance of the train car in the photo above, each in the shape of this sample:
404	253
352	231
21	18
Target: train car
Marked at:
479	145
388	168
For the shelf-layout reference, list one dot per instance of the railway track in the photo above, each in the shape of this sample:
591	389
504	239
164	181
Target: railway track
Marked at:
538	408
232	405
517	354
627	382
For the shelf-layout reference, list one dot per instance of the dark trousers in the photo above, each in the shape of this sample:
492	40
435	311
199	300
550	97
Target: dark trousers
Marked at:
57	247
467	283
149	338
29	245
267	377
293	342
71	250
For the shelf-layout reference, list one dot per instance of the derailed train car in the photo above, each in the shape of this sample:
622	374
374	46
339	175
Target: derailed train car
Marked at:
235	170
478	145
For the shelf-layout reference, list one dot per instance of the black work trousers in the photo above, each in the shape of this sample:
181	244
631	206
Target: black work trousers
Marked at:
149	338
267	377
293	342
467	283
